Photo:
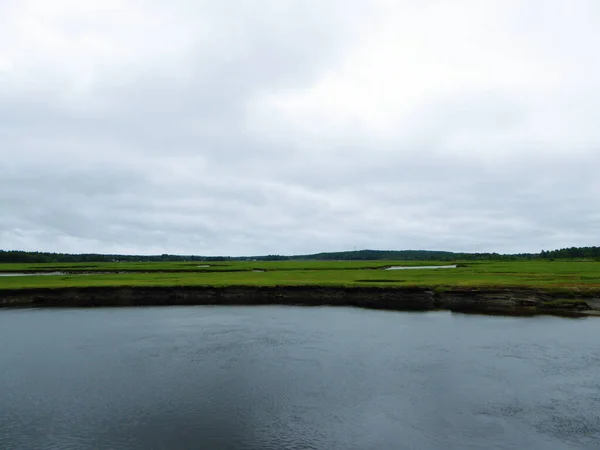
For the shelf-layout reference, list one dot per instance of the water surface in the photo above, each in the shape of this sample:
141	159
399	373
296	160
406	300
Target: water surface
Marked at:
450	266
295	378
28	274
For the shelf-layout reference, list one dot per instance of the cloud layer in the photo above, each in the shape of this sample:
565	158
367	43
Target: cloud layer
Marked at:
253	127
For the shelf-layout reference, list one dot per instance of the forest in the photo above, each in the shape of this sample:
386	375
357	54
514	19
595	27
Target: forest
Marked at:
19	256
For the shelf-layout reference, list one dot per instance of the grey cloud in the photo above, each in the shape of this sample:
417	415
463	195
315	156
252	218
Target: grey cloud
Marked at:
167	158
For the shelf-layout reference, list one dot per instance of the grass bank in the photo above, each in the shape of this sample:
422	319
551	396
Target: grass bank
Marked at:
575	277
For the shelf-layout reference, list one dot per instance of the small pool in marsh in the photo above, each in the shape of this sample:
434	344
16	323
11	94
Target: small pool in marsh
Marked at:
29	274
450	266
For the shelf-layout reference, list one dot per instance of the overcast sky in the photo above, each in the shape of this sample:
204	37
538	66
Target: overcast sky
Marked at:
279	126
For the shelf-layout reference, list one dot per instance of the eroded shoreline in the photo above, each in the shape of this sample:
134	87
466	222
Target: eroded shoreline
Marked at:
517	300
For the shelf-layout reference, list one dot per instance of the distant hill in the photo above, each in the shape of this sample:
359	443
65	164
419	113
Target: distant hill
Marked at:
405	255
17	256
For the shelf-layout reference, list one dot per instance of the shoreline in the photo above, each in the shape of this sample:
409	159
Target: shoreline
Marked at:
504	300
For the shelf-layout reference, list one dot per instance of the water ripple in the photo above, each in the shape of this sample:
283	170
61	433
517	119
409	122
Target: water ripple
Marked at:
295	378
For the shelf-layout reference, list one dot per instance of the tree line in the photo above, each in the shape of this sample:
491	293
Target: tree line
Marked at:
572	253
18	256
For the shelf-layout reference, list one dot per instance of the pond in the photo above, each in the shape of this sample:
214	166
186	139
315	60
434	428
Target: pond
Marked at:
450	266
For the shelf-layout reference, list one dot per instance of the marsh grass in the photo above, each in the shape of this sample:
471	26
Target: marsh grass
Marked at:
570	277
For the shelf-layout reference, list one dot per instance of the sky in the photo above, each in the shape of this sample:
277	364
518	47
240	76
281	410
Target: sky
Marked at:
250	127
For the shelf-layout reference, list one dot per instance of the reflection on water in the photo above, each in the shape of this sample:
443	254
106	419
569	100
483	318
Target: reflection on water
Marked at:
295	378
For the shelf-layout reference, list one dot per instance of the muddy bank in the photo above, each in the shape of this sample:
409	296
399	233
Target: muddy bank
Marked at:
501	301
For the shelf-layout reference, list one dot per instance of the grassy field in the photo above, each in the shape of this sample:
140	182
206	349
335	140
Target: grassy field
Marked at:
574	276
207	266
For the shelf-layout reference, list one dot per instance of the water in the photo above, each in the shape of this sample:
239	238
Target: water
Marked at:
295	378
451	266
28	274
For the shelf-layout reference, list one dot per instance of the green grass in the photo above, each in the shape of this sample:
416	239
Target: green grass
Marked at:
564	303
571	277
212	266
